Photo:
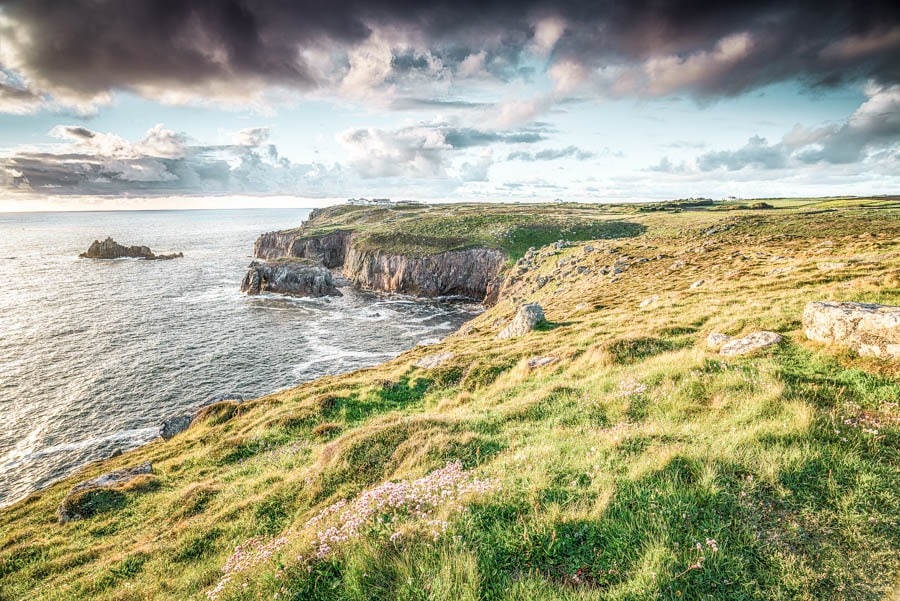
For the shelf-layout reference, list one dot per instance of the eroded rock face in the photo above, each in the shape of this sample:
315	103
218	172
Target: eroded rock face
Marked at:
110	249
99	494
468	273
175	425
472	273
329	249
527	317
869	329
750	343
291	277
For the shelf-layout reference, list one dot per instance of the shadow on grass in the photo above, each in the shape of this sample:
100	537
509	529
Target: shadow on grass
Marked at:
633	350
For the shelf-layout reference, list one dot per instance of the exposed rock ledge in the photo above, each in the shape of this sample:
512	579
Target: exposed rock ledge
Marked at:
294	277
110	249
867	328
471	273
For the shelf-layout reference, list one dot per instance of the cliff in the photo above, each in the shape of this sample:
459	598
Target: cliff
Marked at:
469	273
606	453
330	249
436	250
465	273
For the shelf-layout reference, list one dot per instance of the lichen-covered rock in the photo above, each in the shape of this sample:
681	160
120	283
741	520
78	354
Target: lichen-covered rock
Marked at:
540	361
432	361
100	494
867	328
291	277
527	317
110	249
750	343
716	340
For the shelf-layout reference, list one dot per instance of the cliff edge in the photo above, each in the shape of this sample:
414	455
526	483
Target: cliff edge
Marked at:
432	250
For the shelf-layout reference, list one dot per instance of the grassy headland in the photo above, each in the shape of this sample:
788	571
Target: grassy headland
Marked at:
418	229
636	464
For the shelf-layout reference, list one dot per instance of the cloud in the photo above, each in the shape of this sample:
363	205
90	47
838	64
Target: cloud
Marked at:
756	153
551	154
253	136
872	129
79	53
422	151
162	162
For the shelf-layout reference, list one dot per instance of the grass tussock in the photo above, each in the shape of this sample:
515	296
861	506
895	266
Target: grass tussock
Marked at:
635	464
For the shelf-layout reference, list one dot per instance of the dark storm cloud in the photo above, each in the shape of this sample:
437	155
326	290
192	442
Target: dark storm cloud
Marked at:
82	48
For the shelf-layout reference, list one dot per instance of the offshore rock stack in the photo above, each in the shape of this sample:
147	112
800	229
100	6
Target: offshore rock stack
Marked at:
110	249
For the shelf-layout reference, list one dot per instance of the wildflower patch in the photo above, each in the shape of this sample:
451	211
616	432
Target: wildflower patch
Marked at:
379	512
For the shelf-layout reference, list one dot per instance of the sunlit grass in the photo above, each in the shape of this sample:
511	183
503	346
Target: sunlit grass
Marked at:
637	465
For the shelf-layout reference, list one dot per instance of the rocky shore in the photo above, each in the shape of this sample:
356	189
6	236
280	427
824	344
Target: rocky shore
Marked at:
293	277
471	273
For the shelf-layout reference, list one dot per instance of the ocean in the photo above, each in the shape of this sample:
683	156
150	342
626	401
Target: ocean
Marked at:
94	355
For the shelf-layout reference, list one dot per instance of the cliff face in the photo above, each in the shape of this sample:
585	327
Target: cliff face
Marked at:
454	273
330	249
471	273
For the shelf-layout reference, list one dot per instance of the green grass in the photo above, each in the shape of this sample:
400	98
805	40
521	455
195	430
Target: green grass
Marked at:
610	465
418	230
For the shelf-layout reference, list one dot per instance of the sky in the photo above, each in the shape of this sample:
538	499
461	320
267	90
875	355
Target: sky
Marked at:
225	103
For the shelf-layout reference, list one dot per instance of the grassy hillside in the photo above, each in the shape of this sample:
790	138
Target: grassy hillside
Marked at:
636	464
427	229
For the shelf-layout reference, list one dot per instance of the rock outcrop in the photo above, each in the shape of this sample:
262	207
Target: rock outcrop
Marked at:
471	273
750	343
867	328
467	273
328	249
540	361
291	277
716	340
102	493
175	425
432	361
110	249
527	317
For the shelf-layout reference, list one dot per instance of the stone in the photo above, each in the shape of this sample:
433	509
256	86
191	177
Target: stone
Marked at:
870	329
110	249
716	340
432	361
540	361
648	301
832	265
525	320
99	494
697	284
750	343
292	277
175	425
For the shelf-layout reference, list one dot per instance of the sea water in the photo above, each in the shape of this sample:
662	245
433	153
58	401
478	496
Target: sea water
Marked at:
94	354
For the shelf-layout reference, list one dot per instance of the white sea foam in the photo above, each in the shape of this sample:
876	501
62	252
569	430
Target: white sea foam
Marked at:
94	355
